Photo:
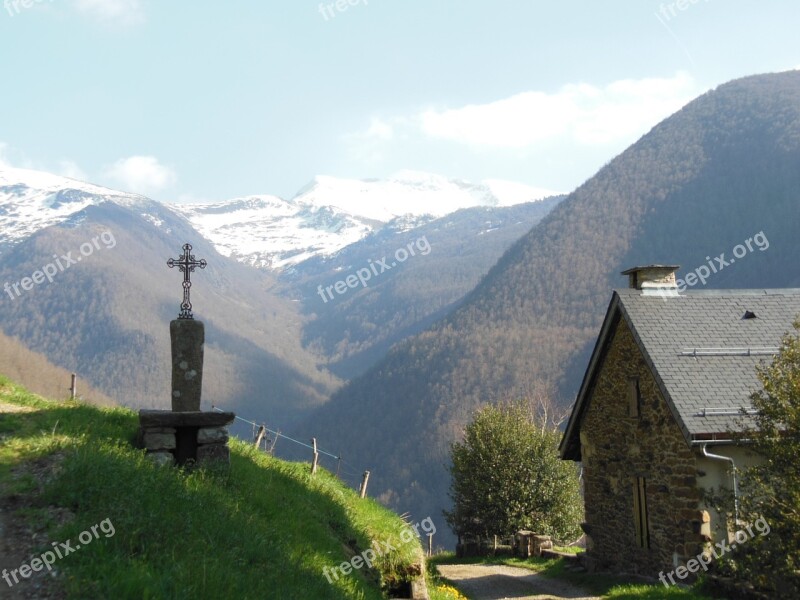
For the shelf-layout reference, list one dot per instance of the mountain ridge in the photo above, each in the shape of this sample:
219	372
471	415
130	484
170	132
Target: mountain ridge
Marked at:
277	353
331	213
263	230
684	191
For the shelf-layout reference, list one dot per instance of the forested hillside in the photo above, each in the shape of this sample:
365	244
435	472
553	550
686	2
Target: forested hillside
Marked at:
451	254
107	316
720	171
40	375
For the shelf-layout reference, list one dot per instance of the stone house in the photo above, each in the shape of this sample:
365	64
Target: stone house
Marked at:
653	421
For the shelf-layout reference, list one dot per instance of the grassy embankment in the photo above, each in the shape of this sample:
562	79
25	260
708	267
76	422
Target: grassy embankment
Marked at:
265	528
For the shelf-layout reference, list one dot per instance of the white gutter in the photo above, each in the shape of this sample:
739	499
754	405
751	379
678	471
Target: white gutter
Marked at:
708	454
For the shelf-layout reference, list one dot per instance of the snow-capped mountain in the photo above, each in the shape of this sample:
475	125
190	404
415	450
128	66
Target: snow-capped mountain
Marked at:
267	231
264	231
32	200
414	193
331	213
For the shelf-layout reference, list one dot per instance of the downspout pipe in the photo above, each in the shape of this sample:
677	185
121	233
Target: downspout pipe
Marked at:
728	459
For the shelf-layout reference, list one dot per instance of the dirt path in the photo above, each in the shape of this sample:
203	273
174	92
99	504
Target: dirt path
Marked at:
13	408
18	541
496	582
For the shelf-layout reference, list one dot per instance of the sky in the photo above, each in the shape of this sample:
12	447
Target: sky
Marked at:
200	101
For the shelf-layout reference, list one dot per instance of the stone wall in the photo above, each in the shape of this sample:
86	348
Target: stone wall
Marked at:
211	444
185	437
616	449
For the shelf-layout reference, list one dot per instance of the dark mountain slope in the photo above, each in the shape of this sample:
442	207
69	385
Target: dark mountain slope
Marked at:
107	316
451	255
721	170
39	375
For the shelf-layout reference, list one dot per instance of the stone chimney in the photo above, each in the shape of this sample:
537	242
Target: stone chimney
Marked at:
653	279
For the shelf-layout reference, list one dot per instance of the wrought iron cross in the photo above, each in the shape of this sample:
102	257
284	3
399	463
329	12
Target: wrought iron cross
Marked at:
186	264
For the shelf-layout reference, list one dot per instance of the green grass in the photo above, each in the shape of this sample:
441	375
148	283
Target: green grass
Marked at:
568	549
653	592
266	528
606	586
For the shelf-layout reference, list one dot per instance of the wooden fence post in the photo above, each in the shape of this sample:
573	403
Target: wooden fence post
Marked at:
73	388
262	431
274	441
430	544
316	456
364	484
338	465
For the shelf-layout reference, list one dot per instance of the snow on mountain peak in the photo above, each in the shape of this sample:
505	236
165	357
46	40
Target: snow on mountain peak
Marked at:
510	193
263	230
32	200
412	192
40	180
330	213
267	231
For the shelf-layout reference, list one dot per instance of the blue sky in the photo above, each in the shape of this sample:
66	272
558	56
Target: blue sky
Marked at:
205	101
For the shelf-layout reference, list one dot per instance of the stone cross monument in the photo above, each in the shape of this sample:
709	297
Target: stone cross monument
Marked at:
188	338
186	435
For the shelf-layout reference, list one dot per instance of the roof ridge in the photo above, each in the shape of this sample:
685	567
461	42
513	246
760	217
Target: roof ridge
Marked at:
717	292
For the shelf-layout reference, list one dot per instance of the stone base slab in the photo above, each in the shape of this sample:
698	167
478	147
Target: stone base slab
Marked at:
167	418
185	437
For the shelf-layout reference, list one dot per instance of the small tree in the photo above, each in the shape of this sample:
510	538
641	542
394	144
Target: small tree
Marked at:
507	476
771	491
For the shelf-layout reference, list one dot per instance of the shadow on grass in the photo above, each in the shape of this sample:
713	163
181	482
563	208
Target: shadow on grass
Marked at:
252	532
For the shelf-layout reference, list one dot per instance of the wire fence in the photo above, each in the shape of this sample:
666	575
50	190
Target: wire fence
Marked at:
344	470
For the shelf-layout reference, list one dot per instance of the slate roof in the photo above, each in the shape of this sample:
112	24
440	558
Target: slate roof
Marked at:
700	349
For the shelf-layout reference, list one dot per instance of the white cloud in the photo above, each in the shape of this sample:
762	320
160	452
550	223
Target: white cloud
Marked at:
585	113
11	157
141	174
4	155
379	130
577	114
367	146
69	168
113	12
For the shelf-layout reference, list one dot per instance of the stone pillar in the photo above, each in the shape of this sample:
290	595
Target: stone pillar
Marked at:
187	337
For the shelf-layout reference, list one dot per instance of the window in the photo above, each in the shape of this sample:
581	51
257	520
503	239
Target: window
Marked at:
634	397
640	512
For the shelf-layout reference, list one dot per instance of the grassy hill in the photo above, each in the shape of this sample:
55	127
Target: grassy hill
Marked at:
264	529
